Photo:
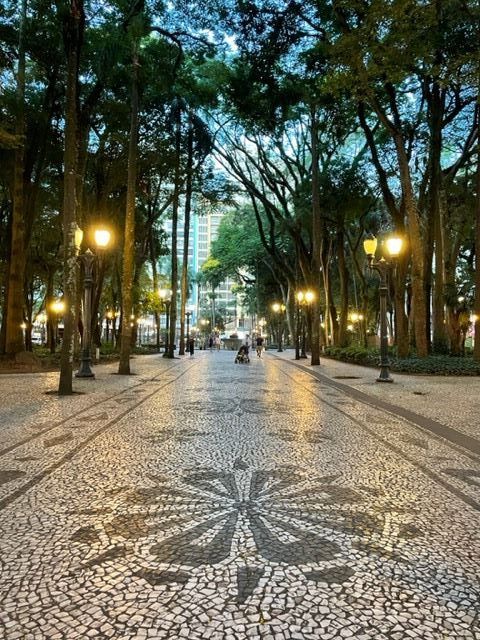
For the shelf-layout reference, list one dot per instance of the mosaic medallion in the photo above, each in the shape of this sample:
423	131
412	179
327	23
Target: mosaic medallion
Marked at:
279	517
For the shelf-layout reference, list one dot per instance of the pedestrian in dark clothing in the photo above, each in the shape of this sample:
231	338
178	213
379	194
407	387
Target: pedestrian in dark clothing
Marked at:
259	346
191	346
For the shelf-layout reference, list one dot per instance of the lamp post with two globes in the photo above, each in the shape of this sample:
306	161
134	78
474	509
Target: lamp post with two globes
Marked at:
57	308
304	299
382	267
279	310
188	315
87	260
166	298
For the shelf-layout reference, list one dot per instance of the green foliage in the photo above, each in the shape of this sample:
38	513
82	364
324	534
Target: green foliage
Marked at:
440	365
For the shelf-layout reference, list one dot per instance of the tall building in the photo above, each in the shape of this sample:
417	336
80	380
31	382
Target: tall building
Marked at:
203	231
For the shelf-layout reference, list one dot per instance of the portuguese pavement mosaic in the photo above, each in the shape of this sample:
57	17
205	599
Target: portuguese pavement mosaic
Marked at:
209	500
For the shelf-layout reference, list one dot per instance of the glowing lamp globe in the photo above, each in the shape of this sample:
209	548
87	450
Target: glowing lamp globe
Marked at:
394	246
102	237
370	246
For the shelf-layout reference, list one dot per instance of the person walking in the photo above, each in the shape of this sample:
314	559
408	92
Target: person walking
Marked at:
191	346
210	343
259	346
247	343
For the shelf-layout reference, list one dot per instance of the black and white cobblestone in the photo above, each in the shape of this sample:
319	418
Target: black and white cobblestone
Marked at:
227	502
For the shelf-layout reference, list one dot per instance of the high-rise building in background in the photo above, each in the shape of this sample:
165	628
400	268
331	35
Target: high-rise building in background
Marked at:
203	231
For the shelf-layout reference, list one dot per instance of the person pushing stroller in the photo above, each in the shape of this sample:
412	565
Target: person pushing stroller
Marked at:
242	356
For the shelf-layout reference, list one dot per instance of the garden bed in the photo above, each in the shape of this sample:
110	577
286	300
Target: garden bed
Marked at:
439	365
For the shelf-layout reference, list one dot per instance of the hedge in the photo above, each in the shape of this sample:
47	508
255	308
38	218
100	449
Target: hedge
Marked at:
441	365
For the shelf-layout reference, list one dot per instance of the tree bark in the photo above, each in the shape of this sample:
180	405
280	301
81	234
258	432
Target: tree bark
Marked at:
186	235
129	233
415	238
436	215
343	277
401	319
14	335
73	38
476	347
317	239
176	202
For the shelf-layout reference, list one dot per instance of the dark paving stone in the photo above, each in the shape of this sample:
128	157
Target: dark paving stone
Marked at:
470	476
156	578
108	555
184	548
86	535
53	442
421	444
8	475
240	465
408	531
335	575
247	580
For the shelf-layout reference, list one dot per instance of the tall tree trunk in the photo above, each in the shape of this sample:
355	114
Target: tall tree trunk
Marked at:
153	263
8	237
436	215
343	277
14	334
186	235
317	236
476	347
175	207
73	38
416	243
401	319
129	233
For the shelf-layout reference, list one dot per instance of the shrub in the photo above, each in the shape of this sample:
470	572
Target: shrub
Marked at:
431	365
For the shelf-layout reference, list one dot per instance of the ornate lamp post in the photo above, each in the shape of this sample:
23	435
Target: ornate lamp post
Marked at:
356	320
166	298
87	259
188	315
109	317
42	319
304	299
394	247
57	308
279	310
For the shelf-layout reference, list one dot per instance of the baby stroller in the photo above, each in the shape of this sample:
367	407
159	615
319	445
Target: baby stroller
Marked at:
242	355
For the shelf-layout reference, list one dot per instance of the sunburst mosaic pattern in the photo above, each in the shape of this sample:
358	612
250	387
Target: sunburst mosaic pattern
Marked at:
239	504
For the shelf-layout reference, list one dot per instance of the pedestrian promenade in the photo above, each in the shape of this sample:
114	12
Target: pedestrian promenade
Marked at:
205	499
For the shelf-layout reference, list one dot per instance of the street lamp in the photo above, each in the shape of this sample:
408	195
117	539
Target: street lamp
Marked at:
394	247
304	299
356	320
279	310
87	259
166	298
57	307
109	316
188	315
42	319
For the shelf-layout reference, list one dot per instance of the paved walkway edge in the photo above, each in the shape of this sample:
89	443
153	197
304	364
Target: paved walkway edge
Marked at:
457	438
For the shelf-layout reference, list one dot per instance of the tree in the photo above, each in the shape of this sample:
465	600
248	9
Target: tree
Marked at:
74	24
129	232
15	293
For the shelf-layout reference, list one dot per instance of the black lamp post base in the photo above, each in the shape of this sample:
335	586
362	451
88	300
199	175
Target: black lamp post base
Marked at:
384	376
85	372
